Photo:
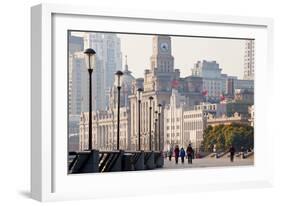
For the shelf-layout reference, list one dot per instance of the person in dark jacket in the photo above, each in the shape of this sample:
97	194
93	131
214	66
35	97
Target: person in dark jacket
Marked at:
170	154
182	154
189	152
232	152
177	153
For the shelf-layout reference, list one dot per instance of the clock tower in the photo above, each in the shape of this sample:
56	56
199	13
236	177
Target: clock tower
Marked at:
162	58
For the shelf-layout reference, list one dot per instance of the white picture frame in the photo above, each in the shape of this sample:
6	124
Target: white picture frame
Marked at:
49	179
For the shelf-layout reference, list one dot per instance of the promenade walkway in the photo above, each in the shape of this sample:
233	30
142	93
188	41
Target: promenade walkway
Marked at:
207	162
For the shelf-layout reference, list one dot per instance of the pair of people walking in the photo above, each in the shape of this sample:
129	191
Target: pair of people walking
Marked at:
181	153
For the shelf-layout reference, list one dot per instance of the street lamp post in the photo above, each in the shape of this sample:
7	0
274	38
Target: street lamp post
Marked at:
139	110
150	110
118	74
159	124
155	137
90	61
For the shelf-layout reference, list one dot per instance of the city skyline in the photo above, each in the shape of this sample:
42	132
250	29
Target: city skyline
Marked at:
206	83
228	53
167	109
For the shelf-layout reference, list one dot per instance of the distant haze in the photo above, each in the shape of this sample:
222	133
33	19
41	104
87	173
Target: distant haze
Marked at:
229	53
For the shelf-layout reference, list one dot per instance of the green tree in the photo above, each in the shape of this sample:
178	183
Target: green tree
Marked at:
223	136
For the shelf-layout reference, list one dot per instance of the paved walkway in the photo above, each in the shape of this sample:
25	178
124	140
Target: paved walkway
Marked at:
208	162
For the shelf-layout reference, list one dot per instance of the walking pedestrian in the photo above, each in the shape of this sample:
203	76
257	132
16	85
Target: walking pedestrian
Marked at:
232	152
182	154
170	153
242	152
177	152
189	152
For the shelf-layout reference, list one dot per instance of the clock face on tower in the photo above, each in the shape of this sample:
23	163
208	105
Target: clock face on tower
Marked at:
164	46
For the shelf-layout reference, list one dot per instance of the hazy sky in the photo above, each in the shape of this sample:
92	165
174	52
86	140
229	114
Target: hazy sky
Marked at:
187	51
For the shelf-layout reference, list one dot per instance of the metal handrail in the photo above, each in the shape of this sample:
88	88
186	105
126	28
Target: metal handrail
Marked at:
112	162
104	161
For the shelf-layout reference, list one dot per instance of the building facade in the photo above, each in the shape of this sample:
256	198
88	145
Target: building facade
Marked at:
194	124
108	61
252	115
73	132
249	60
173	121
244	95
76	44
158	83
185	124
214	83
104	130
104	122
214	109
78	84
225	120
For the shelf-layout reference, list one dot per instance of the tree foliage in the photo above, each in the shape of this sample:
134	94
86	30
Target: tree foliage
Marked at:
223	136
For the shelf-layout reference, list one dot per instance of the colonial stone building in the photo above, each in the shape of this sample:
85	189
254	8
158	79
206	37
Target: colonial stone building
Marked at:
104	129
173	120
158	83
194	124
104	122
185	124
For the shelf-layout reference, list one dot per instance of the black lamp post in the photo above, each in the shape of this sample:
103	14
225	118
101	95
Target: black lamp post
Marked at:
118	74
159	125
140	90
150	110
155	137
90	61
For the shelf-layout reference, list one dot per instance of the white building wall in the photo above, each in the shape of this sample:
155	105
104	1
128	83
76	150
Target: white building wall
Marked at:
194	123
172	127
184	125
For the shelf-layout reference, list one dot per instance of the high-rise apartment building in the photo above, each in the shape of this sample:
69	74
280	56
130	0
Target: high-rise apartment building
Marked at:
249	60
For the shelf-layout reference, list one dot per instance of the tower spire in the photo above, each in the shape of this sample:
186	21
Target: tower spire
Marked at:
126	63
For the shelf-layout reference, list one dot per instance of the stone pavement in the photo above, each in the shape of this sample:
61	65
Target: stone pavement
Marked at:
207	162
